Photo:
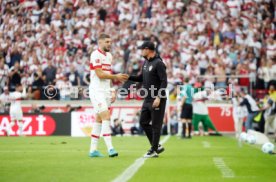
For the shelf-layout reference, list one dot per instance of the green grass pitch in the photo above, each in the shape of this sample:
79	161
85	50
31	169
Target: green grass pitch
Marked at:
53	159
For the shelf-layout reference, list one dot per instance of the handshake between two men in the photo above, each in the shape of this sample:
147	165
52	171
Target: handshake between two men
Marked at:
121	77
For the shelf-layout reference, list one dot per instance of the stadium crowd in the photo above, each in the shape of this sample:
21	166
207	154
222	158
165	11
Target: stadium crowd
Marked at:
48	42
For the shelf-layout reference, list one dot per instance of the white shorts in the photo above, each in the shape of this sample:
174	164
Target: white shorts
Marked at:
16	114
101	101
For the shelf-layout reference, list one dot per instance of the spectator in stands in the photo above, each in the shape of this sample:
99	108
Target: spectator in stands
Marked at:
269	114
251	106
117	128
15	75
73	76
49	73
136	128
4	71
183	31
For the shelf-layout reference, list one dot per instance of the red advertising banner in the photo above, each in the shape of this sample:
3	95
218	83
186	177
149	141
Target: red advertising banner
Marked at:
38	124
222	117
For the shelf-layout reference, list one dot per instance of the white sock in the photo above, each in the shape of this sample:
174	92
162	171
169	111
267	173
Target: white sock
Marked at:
20	128
9	128
107	134
95	135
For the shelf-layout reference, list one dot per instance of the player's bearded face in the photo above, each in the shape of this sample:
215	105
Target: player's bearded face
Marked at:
107	45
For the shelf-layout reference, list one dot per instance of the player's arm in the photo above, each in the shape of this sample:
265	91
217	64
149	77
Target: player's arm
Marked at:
103	75
24	93
97	65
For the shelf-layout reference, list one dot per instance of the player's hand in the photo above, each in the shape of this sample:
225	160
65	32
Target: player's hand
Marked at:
156	102
113	96
122	77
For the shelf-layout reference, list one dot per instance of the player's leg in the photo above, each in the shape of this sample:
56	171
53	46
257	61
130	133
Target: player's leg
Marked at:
183	121
204	125
189	119
9	127
12	123
19	118
195	122
236	125
249	120
184	127
210	124
96	100
268	124
240	125
106	131
189	124
95	136
104	114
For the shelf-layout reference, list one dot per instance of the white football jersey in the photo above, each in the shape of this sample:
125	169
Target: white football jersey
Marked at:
100	59
15	100
199	106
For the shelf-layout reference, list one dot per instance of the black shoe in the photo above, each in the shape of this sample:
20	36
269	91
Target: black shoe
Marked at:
215	134
160	149
151	154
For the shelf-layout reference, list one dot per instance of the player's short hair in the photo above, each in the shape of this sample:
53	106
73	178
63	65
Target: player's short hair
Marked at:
186	80
103	36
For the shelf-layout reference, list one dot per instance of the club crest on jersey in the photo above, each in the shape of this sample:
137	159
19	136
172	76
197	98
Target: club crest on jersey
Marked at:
150	68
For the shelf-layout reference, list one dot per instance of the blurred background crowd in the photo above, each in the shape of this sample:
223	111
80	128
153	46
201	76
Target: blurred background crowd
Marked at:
49	42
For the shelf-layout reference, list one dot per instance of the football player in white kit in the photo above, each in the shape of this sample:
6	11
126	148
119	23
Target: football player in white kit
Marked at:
16	113
101	94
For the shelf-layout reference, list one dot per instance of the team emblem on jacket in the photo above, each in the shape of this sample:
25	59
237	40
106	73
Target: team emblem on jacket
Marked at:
150	68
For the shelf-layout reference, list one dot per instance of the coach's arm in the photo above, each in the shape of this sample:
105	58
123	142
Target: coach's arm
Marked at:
137	78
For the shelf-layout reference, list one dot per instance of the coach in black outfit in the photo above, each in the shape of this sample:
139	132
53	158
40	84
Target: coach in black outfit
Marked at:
154	81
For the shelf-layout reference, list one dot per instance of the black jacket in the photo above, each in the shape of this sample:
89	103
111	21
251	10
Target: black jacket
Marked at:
153	76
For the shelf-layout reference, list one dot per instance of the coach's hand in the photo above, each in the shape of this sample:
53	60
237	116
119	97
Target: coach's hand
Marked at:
122	77
156	102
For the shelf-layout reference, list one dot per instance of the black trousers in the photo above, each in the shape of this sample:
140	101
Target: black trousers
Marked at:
151	121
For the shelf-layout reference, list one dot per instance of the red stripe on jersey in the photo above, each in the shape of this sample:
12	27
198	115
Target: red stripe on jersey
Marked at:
102	52
94	67
95	136
98	66
18	99
106	135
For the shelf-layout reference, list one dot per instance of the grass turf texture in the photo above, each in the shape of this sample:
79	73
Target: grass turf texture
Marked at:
66	159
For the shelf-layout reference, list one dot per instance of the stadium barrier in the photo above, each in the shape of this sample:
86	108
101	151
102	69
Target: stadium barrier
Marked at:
78	123
44	124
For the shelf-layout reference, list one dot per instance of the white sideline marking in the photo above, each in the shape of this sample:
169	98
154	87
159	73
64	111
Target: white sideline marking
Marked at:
206	144
224	169
133	168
